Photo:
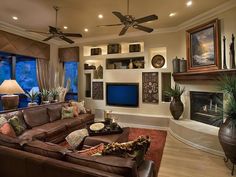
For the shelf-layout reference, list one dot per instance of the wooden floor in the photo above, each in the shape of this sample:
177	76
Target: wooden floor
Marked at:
181	160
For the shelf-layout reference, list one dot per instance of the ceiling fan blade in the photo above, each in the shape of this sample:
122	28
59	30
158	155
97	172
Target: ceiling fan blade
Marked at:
66	39
41	32
123	31
120	16
72	34
48	38
110	25
147	18
143	28
53	29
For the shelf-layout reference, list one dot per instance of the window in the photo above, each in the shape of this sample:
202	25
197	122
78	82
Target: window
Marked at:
5	69
71	72
26	73
23	69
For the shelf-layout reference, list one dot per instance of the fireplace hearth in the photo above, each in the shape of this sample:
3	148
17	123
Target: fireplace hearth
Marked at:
206	107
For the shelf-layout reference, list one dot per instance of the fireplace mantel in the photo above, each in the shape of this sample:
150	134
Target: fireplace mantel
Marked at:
202	76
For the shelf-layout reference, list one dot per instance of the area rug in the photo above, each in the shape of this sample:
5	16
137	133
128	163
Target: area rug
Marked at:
158	139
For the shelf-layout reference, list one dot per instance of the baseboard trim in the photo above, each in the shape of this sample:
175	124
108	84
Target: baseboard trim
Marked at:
143	126
197	146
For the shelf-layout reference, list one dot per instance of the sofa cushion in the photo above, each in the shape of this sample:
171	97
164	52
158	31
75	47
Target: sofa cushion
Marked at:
33	134
19	114
86	118
17	125
54	112
36	116
7	129
9	141
117	165
45	149
52	129
71	123
67	112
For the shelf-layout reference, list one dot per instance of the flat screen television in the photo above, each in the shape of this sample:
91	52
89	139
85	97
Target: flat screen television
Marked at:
122	94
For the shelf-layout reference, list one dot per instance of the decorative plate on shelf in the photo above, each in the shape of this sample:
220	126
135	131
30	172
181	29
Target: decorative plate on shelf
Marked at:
158	61
97	126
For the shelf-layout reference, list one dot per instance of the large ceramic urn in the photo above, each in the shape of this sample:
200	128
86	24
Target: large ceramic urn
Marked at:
176	107
227	137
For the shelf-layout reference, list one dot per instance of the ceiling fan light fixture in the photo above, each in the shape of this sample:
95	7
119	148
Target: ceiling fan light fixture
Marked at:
86	29
65	27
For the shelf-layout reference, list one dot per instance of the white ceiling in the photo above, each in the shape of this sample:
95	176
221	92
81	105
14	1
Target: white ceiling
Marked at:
80	14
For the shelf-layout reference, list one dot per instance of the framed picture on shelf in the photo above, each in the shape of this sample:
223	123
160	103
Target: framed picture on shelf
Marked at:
203	51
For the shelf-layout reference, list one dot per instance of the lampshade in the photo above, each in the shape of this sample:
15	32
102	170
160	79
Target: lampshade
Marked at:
10	87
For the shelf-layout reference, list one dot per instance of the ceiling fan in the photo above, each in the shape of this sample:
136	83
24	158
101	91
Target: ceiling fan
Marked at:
130	21
56	32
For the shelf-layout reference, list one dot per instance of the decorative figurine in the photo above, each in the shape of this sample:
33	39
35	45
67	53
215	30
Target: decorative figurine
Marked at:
224	53
232	53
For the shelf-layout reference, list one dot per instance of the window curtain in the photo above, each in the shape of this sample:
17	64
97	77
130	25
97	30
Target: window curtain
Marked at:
43	74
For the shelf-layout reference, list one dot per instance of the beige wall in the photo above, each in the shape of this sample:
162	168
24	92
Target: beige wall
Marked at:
175	43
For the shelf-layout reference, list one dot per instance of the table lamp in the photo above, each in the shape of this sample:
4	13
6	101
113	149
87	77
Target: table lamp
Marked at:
9	88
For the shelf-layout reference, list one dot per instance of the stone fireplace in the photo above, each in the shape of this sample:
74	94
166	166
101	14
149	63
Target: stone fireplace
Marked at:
206	107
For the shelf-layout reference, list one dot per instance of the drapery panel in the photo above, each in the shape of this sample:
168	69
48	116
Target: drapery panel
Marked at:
43	74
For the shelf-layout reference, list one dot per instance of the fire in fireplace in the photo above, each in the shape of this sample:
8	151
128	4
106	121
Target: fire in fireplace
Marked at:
206	107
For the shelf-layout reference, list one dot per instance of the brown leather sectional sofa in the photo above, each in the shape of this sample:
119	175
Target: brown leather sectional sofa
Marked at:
36	152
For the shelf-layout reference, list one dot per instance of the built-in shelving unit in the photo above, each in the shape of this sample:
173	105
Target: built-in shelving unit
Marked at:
202	76
125	63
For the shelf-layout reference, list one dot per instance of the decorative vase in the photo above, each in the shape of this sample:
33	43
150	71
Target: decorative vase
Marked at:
131	64
32	104
227	137
176	65
176	107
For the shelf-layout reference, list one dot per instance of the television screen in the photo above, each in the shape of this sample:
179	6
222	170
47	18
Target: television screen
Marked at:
122	94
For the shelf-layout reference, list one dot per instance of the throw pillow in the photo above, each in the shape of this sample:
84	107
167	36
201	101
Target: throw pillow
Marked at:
75	111
67	112
6	129
3	120
96	150
16	125
76	137
135	149
80	106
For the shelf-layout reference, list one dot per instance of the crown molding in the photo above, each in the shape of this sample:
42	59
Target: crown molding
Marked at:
196	20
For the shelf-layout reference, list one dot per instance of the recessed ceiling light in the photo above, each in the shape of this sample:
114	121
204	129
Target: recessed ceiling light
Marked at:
100	16
189	3
86	29
65	27
172	14
15	18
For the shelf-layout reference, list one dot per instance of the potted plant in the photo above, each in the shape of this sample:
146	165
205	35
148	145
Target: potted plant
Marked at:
54	94
176	105
32	96
44	96
227	132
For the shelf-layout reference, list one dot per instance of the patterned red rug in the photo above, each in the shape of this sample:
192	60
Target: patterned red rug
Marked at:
158	139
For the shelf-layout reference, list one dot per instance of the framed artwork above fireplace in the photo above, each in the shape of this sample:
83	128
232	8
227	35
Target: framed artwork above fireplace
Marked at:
203	51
